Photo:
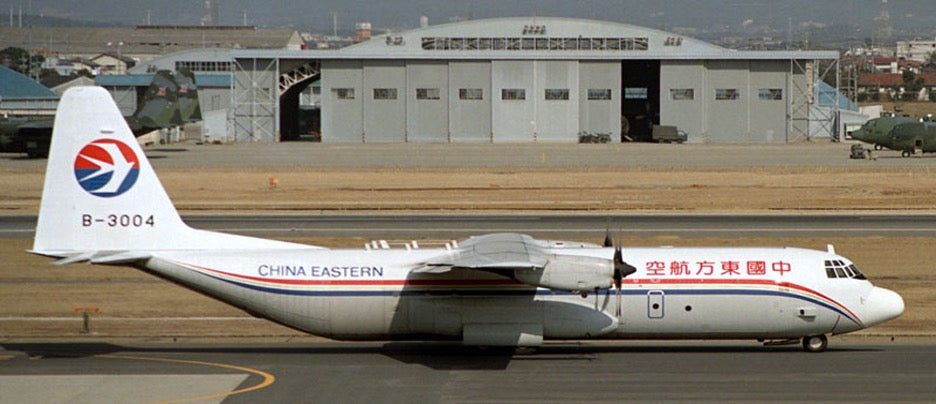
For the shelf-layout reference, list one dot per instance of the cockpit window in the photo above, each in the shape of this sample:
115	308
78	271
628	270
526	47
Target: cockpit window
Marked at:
858	274
849	272
838	269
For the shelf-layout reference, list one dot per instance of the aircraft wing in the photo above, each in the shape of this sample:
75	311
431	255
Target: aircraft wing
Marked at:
525	259
491	251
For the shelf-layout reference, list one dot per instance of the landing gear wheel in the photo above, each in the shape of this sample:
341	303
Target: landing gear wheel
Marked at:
815	343
906	153
878	147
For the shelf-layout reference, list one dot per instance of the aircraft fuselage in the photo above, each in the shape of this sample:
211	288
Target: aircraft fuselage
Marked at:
766	293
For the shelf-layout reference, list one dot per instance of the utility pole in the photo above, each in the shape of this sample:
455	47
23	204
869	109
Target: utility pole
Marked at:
334	23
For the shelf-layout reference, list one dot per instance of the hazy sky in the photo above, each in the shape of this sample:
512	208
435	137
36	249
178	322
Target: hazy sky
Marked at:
317	14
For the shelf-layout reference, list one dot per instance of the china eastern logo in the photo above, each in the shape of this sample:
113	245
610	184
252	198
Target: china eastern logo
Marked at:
106	167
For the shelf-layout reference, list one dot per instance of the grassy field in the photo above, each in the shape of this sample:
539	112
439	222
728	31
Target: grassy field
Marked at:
726	190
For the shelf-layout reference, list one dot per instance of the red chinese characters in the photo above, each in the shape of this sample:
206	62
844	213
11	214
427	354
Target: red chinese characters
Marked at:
780	267
706	268
678	268
656	268
756	268
730	268
713	269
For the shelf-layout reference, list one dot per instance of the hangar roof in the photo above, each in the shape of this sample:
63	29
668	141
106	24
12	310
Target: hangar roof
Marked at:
143	40
14	85
536	38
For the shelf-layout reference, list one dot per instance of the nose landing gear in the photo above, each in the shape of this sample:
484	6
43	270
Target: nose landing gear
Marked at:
815	343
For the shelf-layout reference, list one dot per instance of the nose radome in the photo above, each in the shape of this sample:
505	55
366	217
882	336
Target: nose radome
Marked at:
882	305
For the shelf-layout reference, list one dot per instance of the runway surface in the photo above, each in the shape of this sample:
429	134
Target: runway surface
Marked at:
544	226
408	372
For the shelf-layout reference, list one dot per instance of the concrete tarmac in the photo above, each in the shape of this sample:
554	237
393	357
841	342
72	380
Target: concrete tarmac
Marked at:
443	372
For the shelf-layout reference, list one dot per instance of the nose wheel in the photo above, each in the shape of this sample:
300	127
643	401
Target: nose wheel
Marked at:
815	343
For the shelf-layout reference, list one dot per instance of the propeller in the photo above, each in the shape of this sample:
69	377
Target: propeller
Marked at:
621	270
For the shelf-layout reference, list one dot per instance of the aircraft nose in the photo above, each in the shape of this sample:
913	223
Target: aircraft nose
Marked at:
882	305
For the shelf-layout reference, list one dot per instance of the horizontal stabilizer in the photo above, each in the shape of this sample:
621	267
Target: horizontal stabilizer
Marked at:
103	257
122	257
81	257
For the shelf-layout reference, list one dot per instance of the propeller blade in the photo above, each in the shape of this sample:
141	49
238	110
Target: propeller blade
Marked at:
621	271
607	240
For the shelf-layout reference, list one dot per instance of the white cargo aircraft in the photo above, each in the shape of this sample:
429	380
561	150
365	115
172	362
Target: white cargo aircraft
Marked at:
103	204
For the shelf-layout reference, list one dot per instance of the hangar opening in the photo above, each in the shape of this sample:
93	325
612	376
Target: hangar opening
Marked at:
295	118
640	100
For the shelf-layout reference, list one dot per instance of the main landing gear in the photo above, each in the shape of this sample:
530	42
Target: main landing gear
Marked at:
815	343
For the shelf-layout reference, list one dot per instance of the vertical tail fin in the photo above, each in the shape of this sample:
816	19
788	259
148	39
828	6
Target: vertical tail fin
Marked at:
101	199
189	107
159	107
100	191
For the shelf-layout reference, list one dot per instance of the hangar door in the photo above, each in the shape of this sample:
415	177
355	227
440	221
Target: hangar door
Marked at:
640	98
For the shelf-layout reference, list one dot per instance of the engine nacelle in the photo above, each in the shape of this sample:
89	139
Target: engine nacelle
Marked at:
570	273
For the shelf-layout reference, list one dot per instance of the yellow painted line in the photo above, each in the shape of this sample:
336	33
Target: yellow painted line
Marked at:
6	357
268	379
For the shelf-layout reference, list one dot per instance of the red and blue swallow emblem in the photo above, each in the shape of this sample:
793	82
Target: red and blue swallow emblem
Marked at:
106	167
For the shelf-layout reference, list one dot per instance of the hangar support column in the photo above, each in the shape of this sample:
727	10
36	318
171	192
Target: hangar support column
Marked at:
255	100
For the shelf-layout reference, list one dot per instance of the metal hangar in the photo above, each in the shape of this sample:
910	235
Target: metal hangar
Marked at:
535	80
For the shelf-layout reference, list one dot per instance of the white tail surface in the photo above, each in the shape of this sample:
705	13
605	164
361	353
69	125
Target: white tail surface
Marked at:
102	195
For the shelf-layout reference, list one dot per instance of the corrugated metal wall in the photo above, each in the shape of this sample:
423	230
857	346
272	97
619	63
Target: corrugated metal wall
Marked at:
384	117
470	117
512	120
769	97
342	113
463	101
683	97
600	116
731	115
427	99
758	114
557	119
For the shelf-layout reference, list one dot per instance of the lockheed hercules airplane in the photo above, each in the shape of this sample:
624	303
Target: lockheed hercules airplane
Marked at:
907	134
102	203
877	131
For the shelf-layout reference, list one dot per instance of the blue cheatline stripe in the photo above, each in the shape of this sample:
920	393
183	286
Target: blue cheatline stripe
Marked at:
528	292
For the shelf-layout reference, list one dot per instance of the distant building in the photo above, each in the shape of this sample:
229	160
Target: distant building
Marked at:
20	95
917	49
885	65
113	63
884	86
144	42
